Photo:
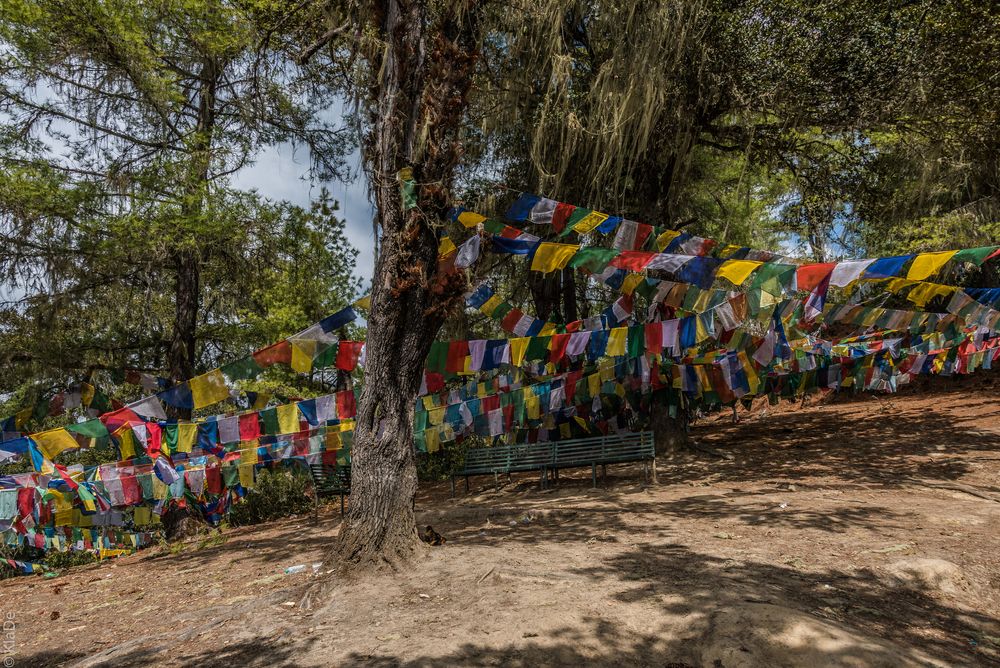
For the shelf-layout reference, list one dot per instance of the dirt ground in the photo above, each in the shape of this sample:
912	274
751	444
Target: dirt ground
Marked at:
858	533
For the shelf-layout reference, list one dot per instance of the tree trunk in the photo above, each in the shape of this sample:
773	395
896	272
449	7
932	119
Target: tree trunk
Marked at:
187	288
187	259
670	434
419	99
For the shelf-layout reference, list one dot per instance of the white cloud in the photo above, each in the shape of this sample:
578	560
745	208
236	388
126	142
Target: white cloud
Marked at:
282	173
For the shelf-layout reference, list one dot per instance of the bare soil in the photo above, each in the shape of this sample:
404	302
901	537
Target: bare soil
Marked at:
854	533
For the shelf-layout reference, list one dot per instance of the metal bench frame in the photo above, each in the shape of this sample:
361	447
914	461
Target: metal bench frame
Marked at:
329	479
545	457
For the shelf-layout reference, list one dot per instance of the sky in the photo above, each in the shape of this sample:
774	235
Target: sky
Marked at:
281	172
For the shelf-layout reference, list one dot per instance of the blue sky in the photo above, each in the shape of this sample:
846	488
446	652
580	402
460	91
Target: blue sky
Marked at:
282	173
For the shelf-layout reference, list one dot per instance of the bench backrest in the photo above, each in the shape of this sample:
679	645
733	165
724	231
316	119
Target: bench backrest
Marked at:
625	446
327	476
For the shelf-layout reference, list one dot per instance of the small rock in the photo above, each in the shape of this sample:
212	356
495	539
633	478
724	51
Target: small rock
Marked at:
424	596
288	604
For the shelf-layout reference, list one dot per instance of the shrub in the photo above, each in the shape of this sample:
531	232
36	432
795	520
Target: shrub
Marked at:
277	493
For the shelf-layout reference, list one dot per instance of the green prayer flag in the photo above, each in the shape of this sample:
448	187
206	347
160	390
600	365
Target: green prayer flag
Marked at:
592	259
538	348
269	421
91	428
502	310
230	475
325	358
974	255
244	369
437	358
636	341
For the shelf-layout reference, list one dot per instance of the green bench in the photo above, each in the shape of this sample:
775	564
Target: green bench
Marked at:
545	457
331	480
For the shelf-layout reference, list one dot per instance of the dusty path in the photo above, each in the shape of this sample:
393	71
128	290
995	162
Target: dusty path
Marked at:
857	534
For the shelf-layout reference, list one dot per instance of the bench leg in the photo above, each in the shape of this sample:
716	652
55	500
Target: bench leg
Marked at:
593	473
466	484
316	506
541	481
653	467
604	474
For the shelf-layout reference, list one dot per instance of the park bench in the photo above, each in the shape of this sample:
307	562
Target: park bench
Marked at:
331	480
545	457
611	449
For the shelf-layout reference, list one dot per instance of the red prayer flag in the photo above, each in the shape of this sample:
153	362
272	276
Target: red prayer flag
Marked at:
213	480
654	338
274	354
509	320
642	232
249	427
809	276
561	215
348	353
434	382
457	352
345	405
558	347
154	439
633	260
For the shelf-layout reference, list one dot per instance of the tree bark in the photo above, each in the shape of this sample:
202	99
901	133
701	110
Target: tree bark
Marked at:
670	434
419	99
187	260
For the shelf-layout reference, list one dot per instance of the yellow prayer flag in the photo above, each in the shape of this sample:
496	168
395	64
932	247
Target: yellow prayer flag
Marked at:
518	347
51	443
432	439
491	305
548	329
22	416
86	394
470	219
303	351
446	247
925	292
532	404
589	223
435	416
664	239
248	454
187	436
246	476
737	271
126	442
701	302
333	441
594	384
552	256
288	418
208	388
617	338
365	303
728	250
927	264
631	282
896	284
